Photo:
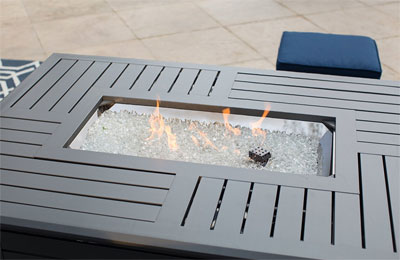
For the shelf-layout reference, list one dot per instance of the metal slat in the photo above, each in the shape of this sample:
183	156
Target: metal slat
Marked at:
378	127
147	78
316	92
23	137
18	149
376	213
223	83
64	83
261	209
30	125
318	217
29	82
378	117
72	95
204	204
79	203
289	215
111	161
313	101
393	180
45	84
184	82
312	83
33	115
347	221
178	202
81	187
336	79
105	81
233	206
379	149
87	172
166	79
204	82
128	77
378	138
110	75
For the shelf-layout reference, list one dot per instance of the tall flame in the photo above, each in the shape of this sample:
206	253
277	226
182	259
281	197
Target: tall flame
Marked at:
156	123
226	112
255	127
158	127
171	139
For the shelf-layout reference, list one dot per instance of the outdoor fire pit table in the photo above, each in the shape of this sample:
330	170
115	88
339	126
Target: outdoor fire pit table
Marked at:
64	197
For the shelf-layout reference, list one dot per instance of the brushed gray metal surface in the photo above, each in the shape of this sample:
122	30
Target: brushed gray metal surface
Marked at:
318	217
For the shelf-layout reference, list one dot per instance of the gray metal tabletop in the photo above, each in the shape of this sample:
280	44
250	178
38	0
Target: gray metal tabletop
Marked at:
167	204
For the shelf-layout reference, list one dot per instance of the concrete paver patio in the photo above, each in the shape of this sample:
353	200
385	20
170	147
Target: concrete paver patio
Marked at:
226	32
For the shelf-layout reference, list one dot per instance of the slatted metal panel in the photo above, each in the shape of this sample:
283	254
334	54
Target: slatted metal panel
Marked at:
24	135
376	208
72	187
375	105
66	84
293	215
194	207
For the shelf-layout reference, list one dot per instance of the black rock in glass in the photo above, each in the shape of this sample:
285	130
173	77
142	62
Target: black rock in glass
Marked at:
260	155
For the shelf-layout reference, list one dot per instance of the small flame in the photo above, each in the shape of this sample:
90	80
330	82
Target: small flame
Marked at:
226	112
255	127
171	139
203	135
236	151
192	126
206	140
195	141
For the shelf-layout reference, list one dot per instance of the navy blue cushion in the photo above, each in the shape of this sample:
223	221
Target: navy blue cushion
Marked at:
344	55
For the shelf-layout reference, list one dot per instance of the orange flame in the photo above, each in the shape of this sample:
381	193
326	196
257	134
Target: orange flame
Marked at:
236	151
206	140
157	128
171	139
192	126
156	123
195	141
226	112
255	127
203	135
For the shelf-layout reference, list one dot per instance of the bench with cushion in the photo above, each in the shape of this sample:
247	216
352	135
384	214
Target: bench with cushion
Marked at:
334	54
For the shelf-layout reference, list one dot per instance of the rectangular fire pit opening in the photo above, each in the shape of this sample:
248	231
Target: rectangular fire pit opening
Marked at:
224	138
